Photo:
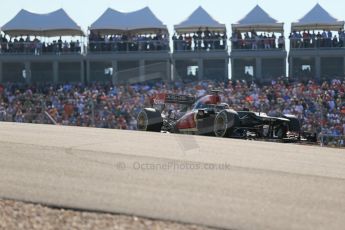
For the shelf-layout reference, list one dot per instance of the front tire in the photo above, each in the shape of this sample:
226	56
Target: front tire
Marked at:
149	120
281	132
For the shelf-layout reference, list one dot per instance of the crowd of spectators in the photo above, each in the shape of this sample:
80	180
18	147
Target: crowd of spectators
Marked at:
255	41
321	39
29	45
320	107
197	41
200	40
128	42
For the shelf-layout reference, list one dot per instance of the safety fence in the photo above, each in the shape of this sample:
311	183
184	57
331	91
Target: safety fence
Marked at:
330	140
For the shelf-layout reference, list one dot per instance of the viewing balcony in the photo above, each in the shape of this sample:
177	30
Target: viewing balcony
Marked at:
40	48
269	48
148	46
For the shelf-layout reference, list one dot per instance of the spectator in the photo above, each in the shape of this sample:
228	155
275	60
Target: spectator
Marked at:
200	40
129	42
35	46
251	40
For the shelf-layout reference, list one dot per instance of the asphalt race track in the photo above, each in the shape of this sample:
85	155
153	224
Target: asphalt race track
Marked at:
225	183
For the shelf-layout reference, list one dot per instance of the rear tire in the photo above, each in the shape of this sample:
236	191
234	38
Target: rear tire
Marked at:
224	123
149	120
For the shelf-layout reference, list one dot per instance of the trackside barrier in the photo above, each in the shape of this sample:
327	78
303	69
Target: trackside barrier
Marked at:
332	140
50	118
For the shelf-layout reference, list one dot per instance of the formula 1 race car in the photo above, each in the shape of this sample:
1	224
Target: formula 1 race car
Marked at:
208	116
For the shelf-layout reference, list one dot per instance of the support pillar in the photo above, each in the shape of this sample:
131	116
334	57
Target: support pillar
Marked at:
82	72
291	68
173	71
258	72
142	70
28	77
285	67
226	70
232	69
88	74
318	68
168	69
55	72
201	69
115	71
1	76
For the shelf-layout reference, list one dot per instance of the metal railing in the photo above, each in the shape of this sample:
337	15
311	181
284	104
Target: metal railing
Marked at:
323	43
260	44
192	44
332	140
40	48
129	46
186	45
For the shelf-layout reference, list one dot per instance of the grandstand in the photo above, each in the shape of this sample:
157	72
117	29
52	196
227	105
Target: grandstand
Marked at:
130	45
136	46
28	54
196	47
256	54
319	54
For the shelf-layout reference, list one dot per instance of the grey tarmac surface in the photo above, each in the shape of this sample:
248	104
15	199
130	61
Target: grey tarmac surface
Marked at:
224	183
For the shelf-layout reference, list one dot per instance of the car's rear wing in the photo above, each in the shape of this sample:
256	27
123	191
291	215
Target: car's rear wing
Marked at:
166	98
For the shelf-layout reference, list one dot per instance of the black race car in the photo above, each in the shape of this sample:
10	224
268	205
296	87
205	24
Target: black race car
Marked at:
208	116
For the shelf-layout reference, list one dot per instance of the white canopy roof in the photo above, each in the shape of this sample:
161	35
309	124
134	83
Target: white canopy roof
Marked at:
317	19
56	23
199	18
113	21
259	20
